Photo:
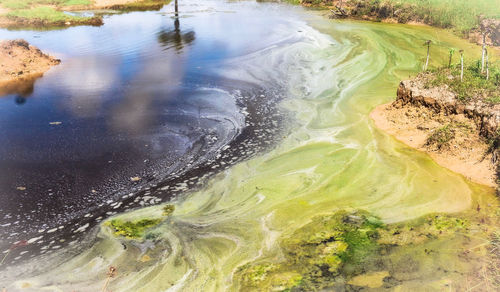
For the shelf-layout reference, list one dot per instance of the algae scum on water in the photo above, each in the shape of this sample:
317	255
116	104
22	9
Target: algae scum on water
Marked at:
335	204
347	249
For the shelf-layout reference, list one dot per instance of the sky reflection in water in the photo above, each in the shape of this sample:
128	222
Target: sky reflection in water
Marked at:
129	99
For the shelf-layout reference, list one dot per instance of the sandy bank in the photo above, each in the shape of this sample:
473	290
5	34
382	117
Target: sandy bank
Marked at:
21	65
454	139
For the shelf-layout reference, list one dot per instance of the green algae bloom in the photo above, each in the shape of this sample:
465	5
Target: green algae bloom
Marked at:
168	210
132	229
333	249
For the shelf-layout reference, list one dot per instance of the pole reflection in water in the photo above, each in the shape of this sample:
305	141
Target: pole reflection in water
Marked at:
176	37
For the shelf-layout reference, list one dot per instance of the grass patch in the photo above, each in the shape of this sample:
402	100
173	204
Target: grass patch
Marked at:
20	4
143	5
14	4
461	15
441	137
43	13
474	84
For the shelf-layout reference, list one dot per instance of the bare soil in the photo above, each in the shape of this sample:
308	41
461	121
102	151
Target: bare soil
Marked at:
109	3
465	153
21	65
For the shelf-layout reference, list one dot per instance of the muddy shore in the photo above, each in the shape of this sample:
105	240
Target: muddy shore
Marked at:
454	134
22	64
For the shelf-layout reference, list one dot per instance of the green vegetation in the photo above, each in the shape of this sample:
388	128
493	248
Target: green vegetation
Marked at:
17	4
138	229
43	14
459	14
474	85
132	229
168	210
442	136
14	4
51	12
141	5
335	248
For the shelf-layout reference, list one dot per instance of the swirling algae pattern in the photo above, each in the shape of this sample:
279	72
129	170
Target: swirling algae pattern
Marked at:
331	159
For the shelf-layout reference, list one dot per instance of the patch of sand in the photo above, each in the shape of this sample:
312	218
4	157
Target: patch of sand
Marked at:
464	154
109	3
370	280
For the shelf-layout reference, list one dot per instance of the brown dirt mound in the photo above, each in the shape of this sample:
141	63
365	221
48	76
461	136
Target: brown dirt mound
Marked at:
454	134
453	141
21	65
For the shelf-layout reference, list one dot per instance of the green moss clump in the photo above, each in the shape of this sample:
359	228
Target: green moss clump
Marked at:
421	230
332	249
446	223
256	274
319	252
132	229
331	245
168	210
269	277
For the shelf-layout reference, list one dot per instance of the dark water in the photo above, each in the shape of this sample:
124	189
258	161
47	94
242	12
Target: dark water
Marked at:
137	111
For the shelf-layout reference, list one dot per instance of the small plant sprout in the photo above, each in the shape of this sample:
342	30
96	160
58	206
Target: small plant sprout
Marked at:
110	274
451	52
428	44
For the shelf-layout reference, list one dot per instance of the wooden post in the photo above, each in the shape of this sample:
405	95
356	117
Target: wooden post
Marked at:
461	65
487	65
483	51
428	43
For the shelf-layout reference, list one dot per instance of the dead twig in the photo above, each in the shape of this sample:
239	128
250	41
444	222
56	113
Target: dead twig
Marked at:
110	274
13	247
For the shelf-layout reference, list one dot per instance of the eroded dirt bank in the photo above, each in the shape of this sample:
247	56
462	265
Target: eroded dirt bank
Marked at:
21	65
456	135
